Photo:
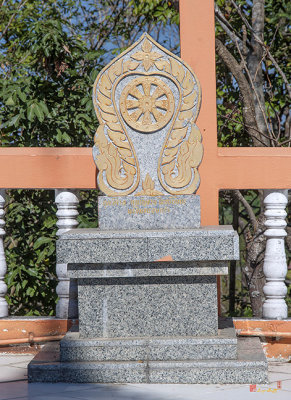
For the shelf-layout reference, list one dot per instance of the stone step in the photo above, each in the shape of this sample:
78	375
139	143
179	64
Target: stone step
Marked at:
250	367
222	346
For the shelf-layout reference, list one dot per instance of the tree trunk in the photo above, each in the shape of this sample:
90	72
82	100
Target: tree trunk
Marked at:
253	270
254	63
232	270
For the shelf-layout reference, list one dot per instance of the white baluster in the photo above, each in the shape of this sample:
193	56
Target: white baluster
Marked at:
275	266
3	267
67	202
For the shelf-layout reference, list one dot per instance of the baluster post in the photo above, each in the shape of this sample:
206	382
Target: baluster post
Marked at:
3	266
67	202
275	265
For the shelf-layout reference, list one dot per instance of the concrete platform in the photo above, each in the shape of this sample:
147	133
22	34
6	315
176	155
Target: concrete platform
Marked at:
14	385
250	367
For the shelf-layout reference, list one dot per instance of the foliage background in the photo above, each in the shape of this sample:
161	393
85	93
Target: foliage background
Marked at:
50	54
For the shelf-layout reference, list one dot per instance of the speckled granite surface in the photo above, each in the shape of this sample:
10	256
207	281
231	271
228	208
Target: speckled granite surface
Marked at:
149	306
222	346
96	246
149	212
250	367
130	270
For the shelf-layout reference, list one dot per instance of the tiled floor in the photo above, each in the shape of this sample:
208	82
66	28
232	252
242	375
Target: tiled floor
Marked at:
13	385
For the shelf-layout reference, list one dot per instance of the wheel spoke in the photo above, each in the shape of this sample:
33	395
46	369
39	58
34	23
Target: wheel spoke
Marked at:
157	114
132	104
136	114
146	88
135	93
162	104
146	118
158	93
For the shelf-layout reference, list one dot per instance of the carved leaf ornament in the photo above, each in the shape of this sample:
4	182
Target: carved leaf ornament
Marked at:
147	104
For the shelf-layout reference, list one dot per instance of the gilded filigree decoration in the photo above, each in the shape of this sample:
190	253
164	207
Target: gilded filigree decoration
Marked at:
147	104
117	162
147	56
148	188
183	150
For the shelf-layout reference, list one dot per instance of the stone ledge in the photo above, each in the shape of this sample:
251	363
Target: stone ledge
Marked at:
95	246
222	346
250	367
131	270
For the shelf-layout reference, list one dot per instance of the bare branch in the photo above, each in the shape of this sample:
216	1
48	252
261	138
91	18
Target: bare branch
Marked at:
286	142
226	26
287	125
261	133
248	107
12	18
227	118
248	208
245	35
288	87
261	107
106	34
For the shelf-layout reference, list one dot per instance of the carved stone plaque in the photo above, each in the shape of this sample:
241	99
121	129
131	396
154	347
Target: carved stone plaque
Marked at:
147	144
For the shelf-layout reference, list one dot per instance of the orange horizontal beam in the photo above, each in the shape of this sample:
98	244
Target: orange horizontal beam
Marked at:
253	168
275	335
241	168
25	329
47	168
58	167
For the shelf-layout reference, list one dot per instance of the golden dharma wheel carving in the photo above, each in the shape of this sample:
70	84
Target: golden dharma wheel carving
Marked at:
147	104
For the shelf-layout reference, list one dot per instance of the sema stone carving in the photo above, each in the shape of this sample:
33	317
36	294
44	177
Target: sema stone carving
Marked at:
147	101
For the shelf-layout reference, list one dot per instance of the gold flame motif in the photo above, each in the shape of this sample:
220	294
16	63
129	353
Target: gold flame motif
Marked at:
148	188
147	104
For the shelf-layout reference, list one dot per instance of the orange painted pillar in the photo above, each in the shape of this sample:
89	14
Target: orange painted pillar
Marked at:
197	36
198	50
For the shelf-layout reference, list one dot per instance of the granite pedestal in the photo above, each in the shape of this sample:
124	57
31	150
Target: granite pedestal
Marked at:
146	320
133	294
146	278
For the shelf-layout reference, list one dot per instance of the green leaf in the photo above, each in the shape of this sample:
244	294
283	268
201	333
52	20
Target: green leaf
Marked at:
14	120
10	101
59	136
30	112
40	241
24	283
44	107
32	272
30	291
66	137
39	113
21	95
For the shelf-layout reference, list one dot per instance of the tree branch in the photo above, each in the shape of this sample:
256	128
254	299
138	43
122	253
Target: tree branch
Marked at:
248	208
248	107
12	18
228	117
288	87
229	30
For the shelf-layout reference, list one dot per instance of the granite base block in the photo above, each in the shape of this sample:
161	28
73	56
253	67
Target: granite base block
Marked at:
223	346
93	246
147	307
46	366
149	212
250	367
